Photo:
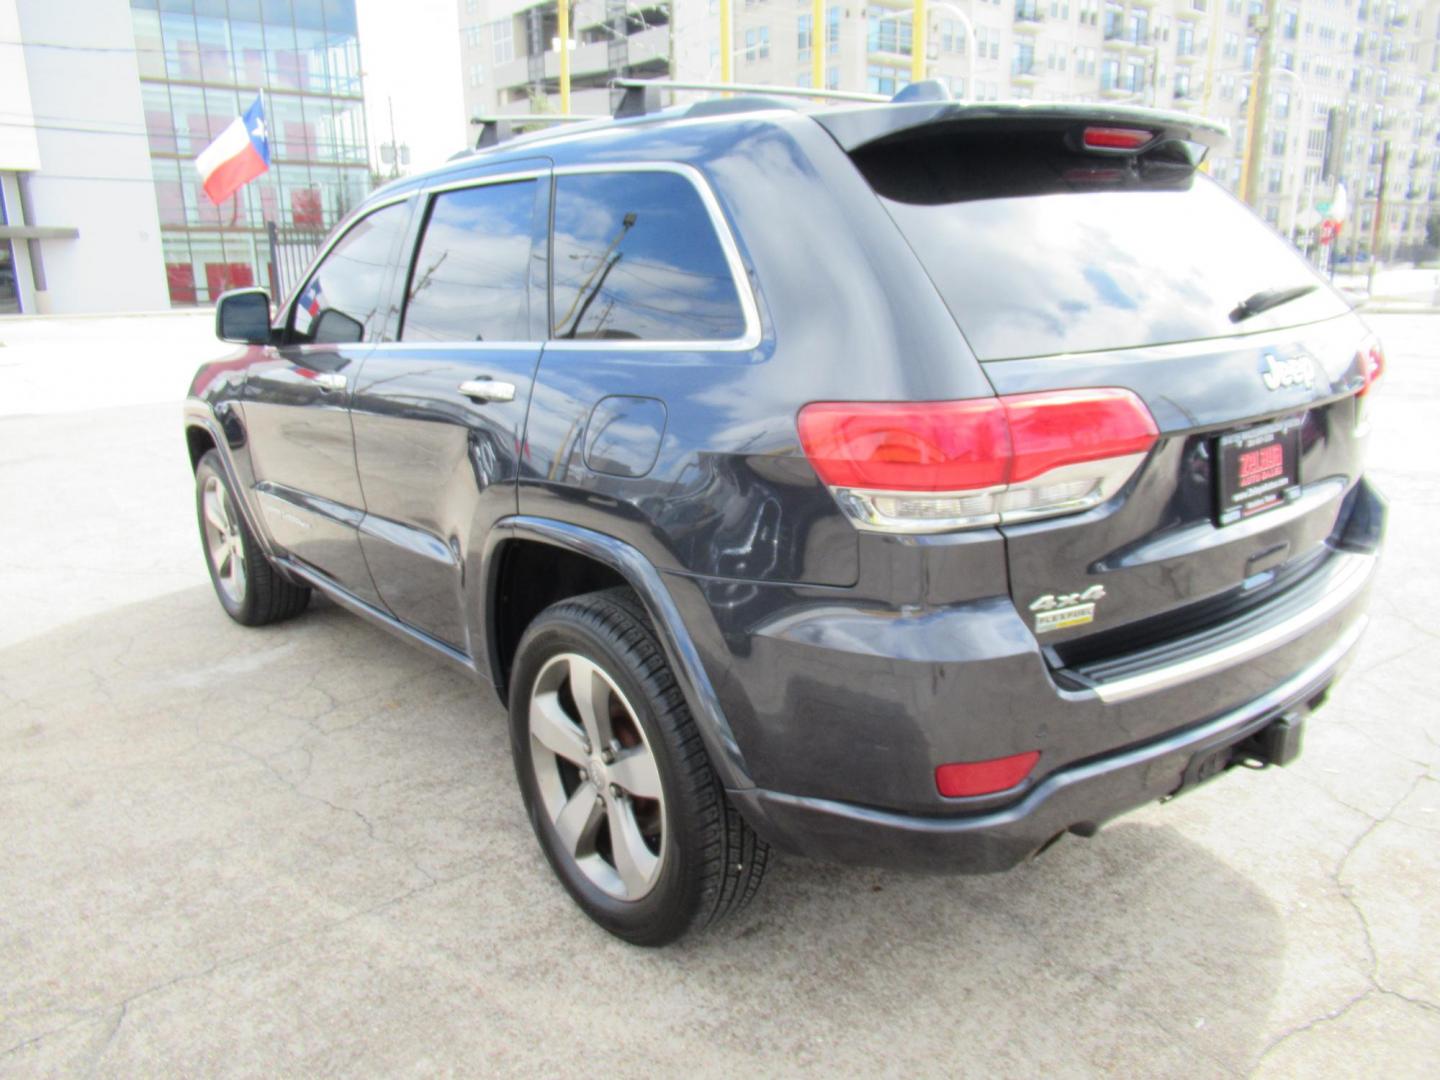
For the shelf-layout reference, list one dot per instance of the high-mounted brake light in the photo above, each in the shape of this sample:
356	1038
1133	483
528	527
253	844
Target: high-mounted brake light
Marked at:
921	467
963	778
1115	138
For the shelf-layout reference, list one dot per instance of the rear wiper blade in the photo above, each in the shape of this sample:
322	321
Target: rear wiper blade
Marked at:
1266	299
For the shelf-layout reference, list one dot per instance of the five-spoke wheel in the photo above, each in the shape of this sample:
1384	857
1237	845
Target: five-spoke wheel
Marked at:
596	776
223	542
624	800
250	589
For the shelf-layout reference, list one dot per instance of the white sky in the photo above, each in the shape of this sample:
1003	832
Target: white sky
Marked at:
410	53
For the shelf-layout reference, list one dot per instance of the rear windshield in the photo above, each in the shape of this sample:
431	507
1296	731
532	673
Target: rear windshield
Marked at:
1037	250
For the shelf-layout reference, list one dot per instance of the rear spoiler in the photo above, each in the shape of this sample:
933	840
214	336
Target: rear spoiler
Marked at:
859	127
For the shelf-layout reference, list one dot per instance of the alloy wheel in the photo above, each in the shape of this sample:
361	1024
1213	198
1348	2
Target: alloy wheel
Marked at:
597	777
223	541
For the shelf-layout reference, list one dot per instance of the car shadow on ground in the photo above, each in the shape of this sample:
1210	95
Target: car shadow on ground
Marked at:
188	796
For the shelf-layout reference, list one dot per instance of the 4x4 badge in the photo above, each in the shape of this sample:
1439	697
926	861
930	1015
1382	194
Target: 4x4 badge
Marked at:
1294	371
1058	611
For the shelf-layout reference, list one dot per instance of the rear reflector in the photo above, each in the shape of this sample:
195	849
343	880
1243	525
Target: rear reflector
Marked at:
1372	365
1116	138
934	466
984	777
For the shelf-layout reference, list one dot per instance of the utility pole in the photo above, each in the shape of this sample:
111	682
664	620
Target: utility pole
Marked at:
563	13
1378	227
727	55
1259	103
918	45
819	43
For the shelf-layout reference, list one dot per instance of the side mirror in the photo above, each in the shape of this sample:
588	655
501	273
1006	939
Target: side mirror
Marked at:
243	316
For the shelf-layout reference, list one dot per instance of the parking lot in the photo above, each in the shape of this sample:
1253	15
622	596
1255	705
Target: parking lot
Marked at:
300	850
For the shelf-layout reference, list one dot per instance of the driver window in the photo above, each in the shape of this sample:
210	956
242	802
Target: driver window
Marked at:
343	302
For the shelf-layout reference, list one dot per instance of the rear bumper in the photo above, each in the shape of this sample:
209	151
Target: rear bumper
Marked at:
1079	797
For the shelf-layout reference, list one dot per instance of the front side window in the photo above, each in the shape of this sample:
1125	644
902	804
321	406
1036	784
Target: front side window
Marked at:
469	281
343	302
636	257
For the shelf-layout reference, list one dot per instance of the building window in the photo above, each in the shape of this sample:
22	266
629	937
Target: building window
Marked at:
1182	84
477	75
1109	74
886	32
952	36
757	43
1023	62
832	41
1135	75
474	35
832	78
502	38
804	37
883	79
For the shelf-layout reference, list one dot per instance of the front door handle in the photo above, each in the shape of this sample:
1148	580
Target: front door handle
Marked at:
488	390
330	380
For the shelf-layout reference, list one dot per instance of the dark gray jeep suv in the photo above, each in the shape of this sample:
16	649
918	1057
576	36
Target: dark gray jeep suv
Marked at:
901	484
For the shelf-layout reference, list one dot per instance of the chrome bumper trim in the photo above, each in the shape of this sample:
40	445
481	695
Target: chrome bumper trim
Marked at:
1347	582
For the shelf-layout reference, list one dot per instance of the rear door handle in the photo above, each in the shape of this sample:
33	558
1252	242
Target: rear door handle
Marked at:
330	380
488	390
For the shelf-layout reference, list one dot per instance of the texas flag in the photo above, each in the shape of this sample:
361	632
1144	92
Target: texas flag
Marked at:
239	155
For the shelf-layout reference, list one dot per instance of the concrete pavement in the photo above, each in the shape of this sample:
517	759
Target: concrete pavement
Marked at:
300	850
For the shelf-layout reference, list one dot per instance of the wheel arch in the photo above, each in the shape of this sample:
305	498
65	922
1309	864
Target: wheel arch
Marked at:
615	563
203	433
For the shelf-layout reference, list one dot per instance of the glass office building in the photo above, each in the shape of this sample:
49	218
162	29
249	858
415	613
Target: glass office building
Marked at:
201	64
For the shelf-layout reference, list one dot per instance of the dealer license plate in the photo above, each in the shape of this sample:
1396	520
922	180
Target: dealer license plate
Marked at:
1259	469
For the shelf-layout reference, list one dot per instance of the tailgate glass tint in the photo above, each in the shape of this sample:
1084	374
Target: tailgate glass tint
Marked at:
1039	250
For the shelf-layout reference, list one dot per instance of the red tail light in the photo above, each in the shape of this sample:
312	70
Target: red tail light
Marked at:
963	778
1067	426
922	446
1116	138
933	466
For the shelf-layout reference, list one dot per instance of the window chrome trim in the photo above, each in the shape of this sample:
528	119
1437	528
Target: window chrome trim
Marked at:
748	340
749	308
484	180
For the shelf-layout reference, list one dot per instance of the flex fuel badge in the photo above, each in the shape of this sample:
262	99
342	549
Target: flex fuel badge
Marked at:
1063	610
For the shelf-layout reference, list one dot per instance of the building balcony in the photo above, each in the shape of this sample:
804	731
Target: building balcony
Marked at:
1129	38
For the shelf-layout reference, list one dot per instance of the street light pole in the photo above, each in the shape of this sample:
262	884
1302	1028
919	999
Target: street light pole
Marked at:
563	8
819	43
918	26
1259	93
727	60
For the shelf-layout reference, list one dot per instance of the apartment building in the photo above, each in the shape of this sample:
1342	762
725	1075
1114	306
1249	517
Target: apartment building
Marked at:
1350	77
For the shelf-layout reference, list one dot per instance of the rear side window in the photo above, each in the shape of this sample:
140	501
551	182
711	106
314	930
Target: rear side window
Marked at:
636	257
1037	250
342	302
469	279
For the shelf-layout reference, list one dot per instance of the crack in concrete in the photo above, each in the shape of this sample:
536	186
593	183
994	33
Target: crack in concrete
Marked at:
124	1004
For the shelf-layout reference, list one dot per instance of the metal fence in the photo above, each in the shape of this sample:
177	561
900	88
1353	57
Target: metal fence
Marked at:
291	251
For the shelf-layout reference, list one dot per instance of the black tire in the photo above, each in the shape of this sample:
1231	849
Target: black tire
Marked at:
710	861
261	595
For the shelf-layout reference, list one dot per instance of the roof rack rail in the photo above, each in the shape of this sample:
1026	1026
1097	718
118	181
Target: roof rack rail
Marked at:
496	129
642	96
